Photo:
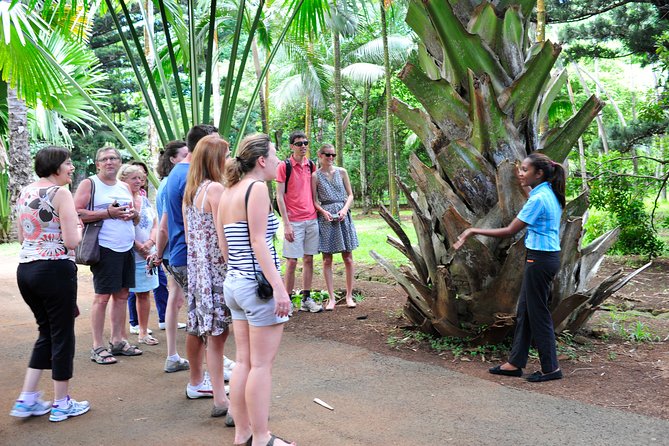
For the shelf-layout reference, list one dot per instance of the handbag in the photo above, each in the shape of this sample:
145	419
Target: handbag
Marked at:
88	250
264	290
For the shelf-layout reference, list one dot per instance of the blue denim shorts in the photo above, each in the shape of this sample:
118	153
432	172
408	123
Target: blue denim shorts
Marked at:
245	305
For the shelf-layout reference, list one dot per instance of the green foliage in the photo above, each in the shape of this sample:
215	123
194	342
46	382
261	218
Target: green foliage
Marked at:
458	347
635	331
622	196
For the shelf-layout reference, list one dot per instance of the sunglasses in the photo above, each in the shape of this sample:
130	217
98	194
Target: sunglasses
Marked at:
301	143
329	155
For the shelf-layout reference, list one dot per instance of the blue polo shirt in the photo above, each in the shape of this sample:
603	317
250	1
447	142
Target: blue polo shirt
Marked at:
161	206
542	213
174	189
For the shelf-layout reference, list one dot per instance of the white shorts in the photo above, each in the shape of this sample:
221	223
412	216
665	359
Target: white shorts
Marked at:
305	242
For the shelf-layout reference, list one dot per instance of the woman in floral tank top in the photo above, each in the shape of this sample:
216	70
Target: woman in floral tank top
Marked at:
47	278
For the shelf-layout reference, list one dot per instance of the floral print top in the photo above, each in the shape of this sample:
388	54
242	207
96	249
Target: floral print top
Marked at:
42	236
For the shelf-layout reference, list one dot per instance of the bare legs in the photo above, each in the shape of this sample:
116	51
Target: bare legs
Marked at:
251	382
327	273
119	301
214	354
195	354
347	257
143	311
291	265
307	271
175	301
31	381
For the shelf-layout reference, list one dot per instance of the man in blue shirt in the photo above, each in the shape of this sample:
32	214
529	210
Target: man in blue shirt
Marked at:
199	385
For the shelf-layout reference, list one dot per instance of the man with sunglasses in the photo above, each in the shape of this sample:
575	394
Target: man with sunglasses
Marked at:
300	226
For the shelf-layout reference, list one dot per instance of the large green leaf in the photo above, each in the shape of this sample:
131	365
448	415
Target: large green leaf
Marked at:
22	66
525	93
440	100
464	50
559	142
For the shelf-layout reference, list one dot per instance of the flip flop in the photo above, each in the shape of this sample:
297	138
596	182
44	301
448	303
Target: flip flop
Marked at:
274	437
148	340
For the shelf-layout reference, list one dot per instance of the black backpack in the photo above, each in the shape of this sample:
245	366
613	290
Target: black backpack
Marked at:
289	169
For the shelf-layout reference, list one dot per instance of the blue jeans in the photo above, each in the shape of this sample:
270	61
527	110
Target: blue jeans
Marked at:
159	294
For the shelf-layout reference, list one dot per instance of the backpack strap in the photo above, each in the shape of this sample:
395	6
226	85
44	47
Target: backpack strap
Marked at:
289	169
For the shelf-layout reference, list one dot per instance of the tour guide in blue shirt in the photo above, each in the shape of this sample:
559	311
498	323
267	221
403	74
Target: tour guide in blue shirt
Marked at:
541	215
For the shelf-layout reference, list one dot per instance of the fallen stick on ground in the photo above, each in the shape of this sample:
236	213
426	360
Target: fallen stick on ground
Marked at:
323	403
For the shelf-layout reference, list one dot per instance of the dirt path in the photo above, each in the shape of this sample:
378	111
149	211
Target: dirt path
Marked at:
378	399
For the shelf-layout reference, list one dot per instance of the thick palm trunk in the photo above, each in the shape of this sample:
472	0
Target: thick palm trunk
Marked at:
20	162
478	120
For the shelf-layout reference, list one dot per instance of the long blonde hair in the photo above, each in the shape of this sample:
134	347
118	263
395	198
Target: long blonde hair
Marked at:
205	164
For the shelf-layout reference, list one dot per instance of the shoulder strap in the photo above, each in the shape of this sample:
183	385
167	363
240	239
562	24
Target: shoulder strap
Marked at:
312	166
289	169
248	230
91	202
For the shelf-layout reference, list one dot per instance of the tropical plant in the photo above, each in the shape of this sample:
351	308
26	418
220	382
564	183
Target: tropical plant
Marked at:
481	81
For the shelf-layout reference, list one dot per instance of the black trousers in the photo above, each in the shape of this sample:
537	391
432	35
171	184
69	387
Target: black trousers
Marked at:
534	322
49	287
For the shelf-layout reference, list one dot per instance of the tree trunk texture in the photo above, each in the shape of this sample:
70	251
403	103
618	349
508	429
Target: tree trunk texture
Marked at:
477	122
20	162
261	95
390	151
364	184
339	127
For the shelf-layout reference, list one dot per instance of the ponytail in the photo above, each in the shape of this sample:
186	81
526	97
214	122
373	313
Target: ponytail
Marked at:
250	149
554	174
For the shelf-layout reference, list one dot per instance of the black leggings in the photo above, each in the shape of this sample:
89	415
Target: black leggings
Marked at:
534	321
49	287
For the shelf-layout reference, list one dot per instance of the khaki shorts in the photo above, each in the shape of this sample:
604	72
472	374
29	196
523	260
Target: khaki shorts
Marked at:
305	242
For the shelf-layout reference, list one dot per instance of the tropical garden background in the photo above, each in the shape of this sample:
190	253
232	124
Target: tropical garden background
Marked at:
421	99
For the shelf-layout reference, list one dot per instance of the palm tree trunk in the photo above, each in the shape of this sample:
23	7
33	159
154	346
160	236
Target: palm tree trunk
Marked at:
339	132
364	185
307	120
216	75
20	163
392	186
261	95
152	132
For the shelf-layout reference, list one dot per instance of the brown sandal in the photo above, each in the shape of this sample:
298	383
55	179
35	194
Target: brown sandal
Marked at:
124	348
102	356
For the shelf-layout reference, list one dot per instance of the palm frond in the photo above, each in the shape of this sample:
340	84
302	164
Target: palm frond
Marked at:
363	72
399	48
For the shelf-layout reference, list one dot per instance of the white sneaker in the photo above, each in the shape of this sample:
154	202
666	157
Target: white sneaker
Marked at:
180	325
74	409
204	390
311	306
134	329
36	409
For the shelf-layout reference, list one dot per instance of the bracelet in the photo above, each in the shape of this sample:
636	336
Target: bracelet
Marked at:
109	213
152	241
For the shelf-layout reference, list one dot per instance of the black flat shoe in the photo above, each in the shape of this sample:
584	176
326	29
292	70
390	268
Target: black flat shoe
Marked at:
538	377
498	370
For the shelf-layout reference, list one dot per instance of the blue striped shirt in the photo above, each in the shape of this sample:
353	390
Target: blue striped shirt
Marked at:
542	213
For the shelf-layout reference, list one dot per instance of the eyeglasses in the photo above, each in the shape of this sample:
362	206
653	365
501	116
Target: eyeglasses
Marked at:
109	158
301	143
329	155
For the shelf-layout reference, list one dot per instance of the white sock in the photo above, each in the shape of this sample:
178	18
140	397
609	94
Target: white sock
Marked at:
28	397
62	403
174	357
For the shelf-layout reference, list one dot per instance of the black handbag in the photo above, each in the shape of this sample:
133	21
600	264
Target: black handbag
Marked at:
264	290
88	250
